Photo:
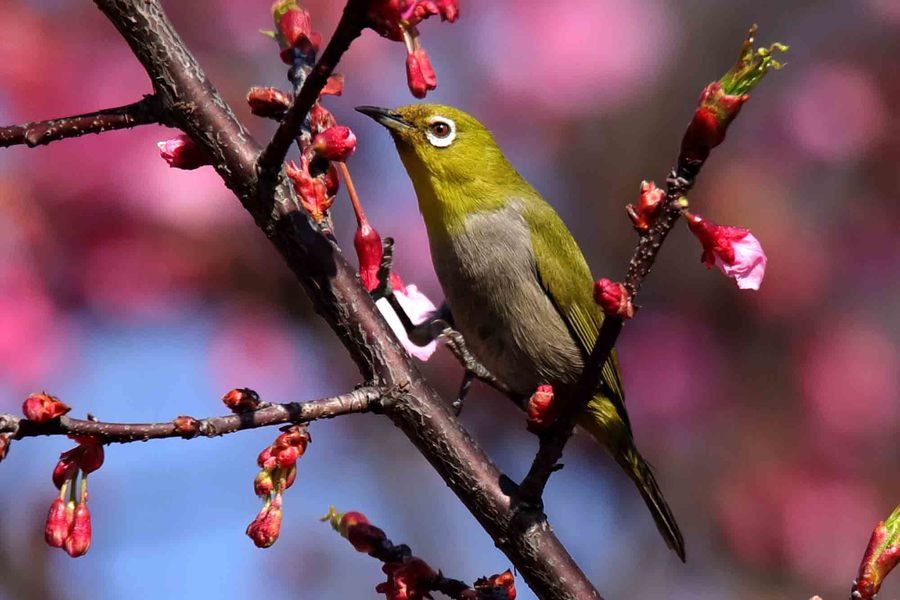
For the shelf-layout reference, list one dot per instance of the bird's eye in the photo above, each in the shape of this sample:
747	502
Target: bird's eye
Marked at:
440	129
441	132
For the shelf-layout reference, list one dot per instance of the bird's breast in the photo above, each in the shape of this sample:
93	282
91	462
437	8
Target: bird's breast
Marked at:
487	272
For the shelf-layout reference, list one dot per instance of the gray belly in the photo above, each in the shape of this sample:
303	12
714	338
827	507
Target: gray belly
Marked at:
509	323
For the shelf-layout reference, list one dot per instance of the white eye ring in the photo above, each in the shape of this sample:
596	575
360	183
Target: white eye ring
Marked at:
441	131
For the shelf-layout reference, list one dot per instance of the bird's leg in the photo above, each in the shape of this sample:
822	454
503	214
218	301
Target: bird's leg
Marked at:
457	405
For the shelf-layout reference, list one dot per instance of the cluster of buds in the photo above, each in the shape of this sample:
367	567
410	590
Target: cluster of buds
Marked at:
613	298
68	520
182	153
397	20
43	408
644	212
241	400
734	250
279	471
322	141
721	100
409	577
542	410
882	555
416	305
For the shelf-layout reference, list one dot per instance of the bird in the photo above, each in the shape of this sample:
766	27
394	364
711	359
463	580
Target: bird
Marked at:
515	281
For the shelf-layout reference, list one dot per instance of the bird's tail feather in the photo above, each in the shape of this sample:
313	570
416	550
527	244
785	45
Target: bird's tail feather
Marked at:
639	471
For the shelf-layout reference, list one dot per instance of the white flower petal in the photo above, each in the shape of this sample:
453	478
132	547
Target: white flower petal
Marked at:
417	307
749	266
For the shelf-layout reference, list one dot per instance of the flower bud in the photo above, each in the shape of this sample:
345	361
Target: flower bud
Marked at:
182	153
335	143
57	528
542	411
311	190
42	408
419	75
644	214
613	298
187	427
294	29
369	250
407	580
287	457
289	476
263	484
241	400
268	102
79	539
266	527
882	555
734	250
266	459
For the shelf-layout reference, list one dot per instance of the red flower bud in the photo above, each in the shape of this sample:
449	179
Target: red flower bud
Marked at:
79	539
882	555
287	457
266	527
294	29
263	484
266	459
268	102
320	119
335	143
369	250
289	476
410	580
241	400
182	153
643	215
42	408
613	298
497	586
707	129
57	528
187	427
420	76
542	411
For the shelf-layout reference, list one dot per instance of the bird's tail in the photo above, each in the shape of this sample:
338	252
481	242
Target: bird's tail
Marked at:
612	433
639	471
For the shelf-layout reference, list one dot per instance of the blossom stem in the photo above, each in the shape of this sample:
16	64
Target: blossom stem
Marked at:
351	191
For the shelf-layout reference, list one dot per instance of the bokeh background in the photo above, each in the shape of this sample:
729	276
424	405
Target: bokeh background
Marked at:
138	293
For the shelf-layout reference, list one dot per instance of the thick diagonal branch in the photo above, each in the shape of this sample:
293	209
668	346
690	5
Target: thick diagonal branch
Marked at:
39	133
358	401
332	284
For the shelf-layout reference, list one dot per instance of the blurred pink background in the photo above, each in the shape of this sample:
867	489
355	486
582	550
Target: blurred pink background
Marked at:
137	293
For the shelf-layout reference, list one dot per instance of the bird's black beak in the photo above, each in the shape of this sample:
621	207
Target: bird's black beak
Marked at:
386	117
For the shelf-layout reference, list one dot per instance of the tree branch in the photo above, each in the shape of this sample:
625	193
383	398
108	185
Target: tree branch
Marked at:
350	27
39	133
197	108
361	400
553	441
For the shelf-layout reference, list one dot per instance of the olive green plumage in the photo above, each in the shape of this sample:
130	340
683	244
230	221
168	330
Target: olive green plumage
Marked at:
515	281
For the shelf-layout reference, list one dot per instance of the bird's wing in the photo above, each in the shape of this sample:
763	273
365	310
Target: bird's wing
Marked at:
564	274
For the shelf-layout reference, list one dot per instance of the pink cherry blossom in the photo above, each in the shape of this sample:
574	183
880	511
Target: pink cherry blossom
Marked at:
734	250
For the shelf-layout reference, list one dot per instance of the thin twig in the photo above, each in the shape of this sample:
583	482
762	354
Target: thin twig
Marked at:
360	400
39	133
350	27
553	441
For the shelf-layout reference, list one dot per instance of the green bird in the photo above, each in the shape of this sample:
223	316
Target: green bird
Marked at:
515	281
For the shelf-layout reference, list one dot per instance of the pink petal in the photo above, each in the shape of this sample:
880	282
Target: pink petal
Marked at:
749	265
418	307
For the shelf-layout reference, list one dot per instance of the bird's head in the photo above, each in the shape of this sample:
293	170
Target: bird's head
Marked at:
452	159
